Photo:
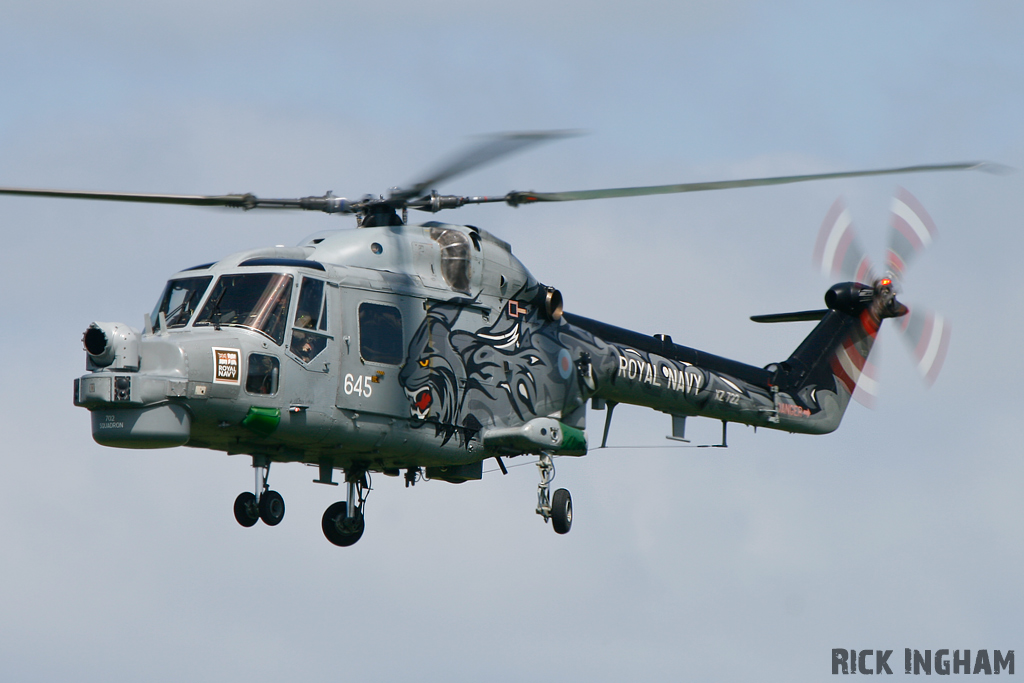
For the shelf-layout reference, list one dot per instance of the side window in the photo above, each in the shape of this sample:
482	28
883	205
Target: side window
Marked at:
380	334
264	372
307	345
310	320
310	313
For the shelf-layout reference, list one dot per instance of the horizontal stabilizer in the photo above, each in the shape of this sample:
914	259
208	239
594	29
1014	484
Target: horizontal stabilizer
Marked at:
798	316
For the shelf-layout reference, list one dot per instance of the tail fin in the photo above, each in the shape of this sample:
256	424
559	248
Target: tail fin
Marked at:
831	363
835	352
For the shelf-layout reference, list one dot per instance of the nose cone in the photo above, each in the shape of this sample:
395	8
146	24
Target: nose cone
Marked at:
134	389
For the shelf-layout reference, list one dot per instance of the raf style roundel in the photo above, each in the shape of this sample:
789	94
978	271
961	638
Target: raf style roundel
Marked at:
564	364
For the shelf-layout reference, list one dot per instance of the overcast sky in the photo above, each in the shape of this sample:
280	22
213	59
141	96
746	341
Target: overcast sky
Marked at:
902	529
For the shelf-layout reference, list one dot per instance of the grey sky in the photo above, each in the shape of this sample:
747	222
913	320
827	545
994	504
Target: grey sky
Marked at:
902	529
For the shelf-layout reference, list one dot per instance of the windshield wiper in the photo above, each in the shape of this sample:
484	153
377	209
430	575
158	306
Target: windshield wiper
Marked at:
215	313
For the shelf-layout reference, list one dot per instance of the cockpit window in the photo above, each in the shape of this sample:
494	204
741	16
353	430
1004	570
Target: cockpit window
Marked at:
264	372
180	299
258	301
310	313
310	319
307	345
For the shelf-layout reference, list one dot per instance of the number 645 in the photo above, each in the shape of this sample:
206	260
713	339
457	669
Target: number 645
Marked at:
358	384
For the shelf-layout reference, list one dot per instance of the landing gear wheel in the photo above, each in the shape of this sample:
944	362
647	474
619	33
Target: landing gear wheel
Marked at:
341	530
247	511
271	508
561	511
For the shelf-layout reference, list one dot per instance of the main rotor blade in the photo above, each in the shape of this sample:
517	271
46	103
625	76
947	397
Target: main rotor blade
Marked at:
515	198
327	203
487	150
194	200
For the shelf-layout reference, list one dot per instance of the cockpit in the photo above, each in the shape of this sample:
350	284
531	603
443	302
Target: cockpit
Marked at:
180	298
256	301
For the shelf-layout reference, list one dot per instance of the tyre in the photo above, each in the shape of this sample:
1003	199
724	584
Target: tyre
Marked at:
338	529
561	511
271	508
247	512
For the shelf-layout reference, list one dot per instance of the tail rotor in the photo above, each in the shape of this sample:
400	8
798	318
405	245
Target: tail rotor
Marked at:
911	231
838	252
926	334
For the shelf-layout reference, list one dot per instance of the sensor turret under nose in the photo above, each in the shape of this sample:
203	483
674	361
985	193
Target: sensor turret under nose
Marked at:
111	345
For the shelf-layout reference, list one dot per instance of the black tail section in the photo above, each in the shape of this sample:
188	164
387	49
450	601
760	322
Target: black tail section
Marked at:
834	356
807	393
835	351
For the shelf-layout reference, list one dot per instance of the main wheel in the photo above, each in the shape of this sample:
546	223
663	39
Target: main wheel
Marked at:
561	511
271	508
341	530
247	512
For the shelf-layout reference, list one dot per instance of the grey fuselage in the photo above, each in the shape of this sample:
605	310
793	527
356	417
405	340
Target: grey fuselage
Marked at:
411	346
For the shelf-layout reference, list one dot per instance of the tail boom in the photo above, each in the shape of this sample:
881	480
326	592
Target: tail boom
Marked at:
808	393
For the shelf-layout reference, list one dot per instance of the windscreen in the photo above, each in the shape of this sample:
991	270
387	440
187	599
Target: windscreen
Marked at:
258	301
180	299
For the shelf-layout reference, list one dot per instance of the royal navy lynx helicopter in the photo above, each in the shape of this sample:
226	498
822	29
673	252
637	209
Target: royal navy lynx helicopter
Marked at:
429	349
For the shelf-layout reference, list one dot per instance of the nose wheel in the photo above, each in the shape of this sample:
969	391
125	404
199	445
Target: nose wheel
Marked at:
557	508
264	504
561	511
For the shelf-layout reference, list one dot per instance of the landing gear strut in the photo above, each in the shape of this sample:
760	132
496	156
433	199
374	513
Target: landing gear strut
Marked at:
343	522
558	508
264	504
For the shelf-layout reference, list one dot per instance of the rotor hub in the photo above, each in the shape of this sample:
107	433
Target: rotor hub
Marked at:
884	303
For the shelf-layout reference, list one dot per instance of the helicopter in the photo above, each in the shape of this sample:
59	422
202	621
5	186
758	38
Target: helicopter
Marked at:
424	350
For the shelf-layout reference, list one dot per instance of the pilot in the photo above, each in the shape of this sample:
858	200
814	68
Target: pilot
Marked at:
305	345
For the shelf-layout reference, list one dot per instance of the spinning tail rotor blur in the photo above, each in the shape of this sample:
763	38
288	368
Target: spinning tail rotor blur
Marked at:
838	253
